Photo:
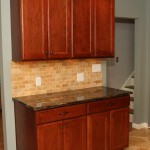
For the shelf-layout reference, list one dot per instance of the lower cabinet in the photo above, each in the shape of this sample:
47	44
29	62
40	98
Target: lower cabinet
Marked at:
108	130
63	135
97	125
119	129
98	131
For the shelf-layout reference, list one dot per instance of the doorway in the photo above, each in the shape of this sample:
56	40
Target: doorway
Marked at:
121	67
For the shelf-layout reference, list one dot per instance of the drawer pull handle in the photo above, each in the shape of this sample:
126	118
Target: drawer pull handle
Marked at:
111	104
63	113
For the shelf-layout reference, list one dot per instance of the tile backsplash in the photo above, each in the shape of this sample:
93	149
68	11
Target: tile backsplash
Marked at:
56	75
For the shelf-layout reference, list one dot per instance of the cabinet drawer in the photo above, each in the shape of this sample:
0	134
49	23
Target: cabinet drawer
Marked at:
109	104
55	114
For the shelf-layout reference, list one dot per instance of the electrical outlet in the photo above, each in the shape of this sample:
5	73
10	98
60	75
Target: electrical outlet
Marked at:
80	77
38	81
96	67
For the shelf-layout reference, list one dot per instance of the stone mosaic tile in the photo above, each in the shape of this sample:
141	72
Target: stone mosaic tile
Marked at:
57	75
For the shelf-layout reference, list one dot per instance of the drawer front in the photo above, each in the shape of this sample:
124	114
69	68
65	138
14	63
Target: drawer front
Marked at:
109	104
55	114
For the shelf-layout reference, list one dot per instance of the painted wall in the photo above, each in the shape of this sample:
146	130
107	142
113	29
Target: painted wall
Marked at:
139	10
118	72
124	8
5	53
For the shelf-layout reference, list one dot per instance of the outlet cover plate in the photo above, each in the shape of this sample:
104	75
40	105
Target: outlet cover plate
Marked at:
80	77
96	67
38	81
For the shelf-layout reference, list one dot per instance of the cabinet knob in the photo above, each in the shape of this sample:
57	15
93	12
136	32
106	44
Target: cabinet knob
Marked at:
51	53
61	127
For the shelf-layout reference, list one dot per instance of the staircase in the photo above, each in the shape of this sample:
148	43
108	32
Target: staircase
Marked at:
129	86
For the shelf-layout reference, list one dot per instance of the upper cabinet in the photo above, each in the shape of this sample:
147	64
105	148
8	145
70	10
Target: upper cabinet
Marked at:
61	29
82	28
29	29
104	28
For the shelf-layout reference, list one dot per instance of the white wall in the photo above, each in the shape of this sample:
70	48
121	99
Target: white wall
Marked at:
118	72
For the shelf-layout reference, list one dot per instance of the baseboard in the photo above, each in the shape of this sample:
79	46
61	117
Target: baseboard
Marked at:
139	126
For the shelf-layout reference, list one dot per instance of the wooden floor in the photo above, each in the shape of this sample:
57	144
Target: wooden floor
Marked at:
1	133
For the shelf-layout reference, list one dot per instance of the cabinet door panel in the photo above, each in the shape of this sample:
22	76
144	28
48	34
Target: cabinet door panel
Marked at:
82	24
34	29
75	134
104	28
59	28
50	136
98	131
119	128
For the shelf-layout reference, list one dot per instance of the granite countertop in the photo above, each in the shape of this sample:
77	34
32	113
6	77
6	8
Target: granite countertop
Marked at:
59	99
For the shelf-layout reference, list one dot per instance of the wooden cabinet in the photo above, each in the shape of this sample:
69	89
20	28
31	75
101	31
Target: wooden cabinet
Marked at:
50	136
108	130
98	131
56	29
82	32
59	29
29	29
104	28
119	128
95	125
40	29
93	28
67	135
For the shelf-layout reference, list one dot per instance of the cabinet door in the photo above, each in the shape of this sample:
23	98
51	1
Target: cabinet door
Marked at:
34	29
104	28
119	129
59	28
98	131
50	136
75	134
82	28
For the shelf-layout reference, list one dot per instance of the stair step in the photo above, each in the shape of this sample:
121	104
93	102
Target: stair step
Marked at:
130	86
132	99
131	111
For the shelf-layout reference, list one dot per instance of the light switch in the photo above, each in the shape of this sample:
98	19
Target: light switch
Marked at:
96	67
80	77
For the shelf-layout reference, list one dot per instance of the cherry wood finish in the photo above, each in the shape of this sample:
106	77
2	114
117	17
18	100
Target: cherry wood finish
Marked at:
75	134
82	28
107	105
63	135
104	28
78	127
25	128
60	113
30	40
98	131
119	129
109	130
54	29
51	136
59	28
